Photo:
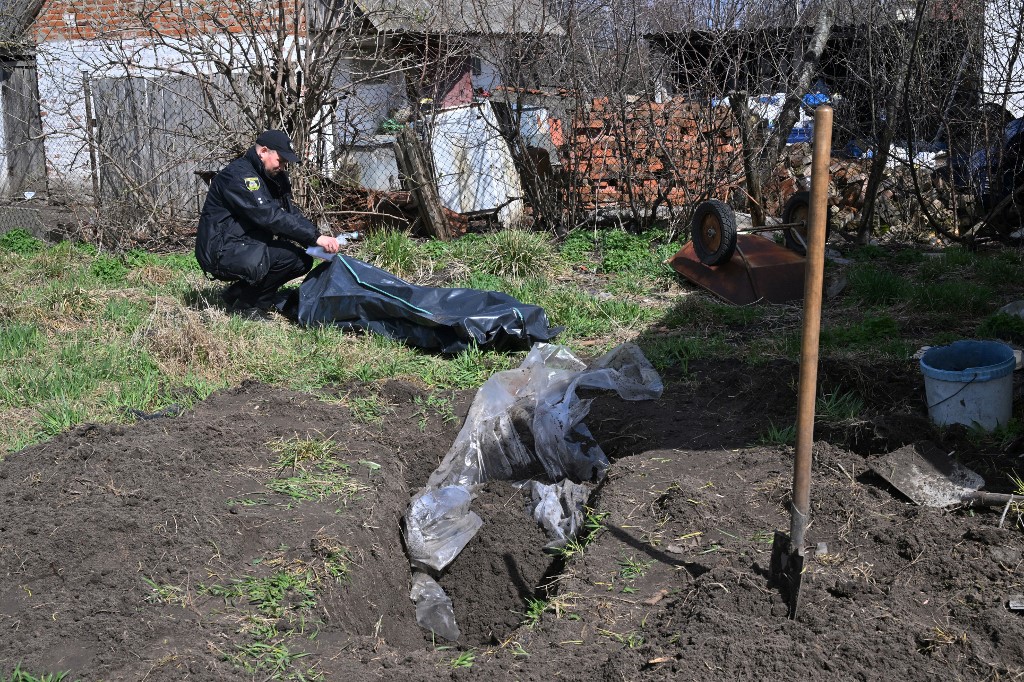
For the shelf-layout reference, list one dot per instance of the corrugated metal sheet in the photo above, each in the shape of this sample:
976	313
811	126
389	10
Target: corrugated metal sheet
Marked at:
475	169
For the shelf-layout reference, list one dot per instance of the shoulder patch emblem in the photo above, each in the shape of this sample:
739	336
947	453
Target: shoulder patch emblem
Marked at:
252	184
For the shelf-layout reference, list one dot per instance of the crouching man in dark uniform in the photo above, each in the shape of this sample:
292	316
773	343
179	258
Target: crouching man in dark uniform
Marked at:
251	234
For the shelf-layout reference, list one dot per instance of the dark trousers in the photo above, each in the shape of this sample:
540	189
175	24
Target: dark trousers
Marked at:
287	261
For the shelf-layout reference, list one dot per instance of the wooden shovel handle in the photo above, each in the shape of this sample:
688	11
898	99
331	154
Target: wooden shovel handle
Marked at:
807	391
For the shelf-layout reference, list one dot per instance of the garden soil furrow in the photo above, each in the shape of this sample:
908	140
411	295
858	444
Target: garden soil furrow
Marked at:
135	552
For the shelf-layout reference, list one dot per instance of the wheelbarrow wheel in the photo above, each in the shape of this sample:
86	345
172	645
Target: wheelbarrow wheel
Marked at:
798	210
713	232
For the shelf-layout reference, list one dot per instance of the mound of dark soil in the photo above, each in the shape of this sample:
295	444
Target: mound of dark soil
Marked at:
162	551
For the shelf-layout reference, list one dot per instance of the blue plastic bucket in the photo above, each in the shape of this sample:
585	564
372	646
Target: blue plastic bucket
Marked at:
969	382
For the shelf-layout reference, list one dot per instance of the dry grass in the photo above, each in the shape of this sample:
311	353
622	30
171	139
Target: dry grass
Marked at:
182	339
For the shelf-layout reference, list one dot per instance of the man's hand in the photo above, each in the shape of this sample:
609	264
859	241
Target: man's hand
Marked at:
328	244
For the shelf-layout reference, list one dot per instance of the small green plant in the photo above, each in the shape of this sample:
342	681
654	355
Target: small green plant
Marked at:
269	657
19	675
463	660
630	569
776	435
535	609
593	524
164	594
436	403
368	409
109	269
273	595
19	241
630	640
839	406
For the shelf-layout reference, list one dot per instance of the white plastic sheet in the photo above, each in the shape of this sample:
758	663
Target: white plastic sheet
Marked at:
525	423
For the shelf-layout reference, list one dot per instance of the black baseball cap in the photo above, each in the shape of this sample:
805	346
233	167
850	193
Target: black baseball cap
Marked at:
278	141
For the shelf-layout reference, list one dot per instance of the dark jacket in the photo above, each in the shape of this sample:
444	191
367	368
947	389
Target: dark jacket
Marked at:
245	209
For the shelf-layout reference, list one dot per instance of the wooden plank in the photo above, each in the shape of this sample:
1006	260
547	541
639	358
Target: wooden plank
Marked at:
414	166
22	127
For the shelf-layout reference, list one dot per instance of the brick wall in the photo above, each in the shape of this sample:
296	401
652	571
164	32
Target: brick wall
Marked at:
92	19
636	152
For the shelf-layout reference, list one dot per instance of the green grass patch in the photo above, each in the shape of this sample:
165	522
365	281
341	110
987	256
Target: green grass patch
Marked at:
877	333
18	339
21	242
675	352
696	310
308	470
876	286
1002	326
954	299
109	269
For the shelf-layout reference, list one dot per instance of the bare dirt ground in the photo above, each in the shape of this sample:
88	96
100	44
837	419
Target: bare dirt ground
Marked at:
118	543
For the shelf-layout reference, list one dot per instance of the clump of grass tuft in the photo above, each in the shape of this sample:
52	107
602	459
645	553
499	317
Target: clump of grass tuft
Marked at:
778	435
593	524
18	339
516	254
393	251
19	675
463	660
839	406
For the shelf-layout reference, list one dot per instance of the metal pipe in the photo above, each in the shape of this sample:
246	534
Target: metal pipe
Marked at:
813	284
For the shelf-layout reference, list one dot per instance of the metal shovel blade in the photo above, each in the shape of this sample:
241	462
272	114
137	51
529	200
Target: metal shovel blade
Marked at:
928	476
787	570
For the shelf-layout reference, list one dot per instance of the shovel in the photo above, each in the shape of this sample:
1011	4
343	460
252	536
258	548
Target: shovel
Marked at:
787	563
931	478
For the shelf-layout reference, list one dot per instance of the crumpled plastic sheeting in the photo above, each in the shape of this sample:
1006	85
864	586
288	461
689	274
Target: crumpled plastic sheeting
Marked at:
558	509
433	607
529	419
524	423
351	294
438	525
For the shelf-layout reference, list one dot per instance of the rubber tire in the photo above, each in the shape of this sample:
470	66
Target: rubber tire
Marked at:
796	210
713	232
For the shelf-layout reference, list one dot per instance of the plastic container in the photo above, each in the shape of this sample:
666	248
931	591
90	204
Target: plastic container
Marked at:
969	382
